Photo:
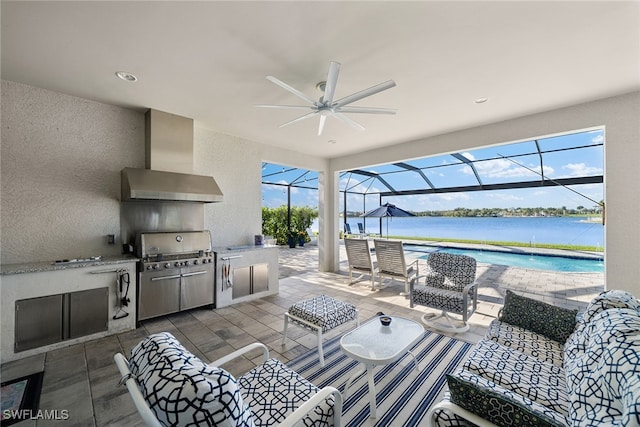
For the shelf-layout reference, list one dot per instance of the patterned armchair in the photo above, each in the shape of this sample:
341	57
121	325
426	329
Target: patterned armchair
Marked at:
450	286
171	386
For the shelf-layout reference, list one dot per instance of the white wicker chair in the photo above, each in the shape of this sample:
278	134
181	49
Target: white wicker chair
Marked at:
450	286
171	386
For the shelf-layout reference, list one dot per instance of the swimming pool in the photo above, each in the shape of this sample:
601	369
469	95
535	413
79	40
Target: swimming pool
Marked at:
537	261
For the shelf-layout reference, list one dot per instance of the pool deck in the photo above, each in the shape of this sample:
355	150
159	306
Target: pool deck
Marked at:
299	267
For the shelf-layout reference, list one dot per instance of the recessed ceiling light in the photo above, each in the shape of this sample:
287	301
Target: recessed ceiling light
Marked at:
126	76
481	100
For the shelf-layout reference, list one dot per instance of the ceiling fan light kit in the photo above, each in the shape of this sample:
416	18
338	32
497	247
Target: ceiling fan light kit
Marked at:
326	106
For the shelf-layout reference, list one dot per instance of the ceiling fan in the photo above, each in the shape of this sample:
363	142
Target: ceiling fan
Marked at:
326	106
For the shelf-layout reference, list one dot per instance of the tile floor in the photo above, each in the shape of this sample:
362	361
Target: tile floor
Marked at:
82	378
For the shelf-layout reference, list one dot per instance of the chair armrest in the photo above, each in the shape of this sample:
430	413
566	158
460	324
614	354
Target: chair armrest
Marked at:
467	288
240	352
127	379
315	400
453	408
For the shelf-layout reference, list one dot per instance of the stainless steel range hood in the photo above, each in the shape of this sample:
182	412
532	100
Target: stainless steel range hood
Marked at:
169	165
147	184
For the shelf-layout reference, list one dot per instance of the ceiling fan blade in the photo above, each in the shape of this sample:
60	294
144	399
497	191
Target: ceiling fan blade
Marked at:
332	80
293	90
306	116
293	107
323	120
364	93
368	110
348	121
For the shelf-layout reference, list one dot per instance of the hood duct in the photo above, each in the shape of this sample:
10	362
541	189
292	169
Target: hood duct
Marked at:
169	164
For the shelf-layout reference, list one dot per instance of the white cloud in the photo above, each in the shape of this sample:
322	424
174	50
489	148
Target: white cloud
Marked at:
581	169
598	139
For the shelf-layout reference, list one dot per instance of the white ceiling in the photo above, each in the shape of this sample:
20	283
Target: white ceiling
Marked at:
208	60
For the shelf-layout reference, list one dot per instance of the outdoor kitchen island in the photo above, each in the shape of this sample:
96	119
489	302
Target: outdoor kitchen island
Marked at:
50	305
244	273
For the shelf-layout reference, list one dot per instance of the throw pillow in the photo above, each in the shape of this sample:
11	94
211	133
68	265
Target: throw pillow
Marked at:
495	407
553	322
182	390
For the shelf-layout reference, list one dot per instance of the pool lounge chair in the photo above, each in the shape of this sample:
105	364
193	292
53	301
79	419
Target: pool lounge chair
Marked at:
359	258
392	264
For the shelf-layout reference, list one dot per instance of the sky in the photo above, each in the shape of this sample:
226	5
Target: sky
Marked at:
497	164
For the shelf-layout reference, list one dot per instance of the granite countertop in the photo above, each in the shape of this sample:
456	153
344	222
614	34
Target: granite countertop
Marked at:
240	248
37	267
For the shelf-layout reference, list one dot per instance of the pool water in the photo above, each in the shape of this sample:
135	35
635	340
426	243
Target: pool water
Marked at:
536	261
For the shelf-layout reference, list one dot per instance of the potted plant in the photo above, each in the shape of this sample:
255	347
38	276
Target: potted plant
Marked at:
302	237
292	238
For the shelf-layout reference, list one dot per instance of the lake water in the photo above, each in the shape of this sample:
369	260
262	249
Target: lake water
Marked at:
532	230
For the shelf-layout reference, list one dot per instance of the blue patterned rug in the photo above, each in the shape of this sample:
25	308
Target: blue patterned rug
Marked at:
403	395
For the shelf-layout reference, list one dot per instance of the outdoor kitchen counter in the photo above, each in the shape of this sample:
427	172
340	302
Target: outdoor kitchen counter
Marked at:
244	273
37	267
73	294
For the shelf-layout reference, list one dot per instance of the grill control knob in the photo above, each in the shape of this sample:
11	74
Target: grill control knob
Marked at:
196	262
156	266
149	267
167	265
177	264
187	263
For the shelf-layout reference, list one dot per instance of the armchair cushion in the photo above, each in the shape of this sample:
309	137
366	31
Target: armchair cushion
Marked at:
273	391
182	390
551	321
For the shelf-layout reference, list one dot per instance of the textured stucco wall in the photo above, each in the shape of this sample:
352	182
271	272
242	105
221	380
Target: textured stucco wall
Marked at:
61	158
236	165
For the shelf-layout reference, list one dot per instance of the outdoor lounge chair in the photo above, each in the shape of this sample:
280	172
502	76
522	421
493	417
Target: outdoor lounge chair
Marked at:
450	286
171	386
391	262
359	258
364	233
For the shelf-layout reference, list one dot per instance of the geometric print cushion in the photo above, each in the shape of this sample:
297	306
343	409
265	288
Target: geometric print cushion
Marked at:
606	381
525	375
497	404
526	341
610	299
459	270
551	321
182	390
441	299
324	312
273	391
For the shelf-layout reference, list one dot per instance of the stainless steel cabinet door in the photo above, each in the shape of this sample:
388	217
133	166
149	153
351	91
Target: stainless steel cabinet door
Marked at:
88	312
196	289
260	278
241	282
38	322
158	295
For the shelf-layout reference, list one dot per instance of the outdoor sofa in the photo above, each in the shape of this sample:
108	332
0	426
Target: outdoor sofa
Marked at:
539	366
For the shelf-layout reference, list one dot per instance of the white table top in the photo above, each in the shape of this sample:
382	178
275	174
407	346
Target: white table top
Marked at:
380	345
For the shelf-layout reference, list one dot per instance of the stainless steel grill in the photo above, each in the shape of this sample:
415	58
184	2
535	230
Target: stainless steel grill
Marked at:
176	272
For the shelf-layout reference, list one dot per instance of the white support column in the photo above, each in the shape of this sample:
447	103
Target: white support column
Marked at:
328	250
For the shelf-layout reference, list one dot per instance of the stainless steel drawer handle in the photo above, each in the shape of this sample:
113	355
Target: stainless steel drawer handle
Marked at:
195	273
175	276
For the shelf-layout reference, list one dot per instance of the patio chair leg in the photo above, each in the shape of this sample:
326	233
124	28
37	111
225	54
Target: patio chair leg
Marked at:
429	318
320	350
284	333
